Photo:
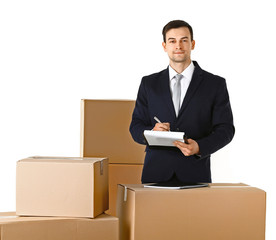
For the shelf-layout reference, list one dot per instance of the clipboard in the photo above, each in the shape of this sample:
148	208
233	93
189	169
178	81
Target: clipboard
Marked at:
163	138
175	186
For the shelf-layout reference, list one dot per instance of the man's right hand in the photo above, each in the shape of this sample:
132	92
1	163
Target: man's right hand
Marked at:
161	127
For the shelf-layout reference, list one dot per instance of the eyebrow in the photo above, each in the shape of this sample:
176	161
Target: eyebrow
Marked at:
175	38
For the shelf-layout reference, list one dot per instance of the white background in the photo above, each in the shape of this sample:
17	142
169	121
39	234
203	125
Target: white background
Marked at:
54	53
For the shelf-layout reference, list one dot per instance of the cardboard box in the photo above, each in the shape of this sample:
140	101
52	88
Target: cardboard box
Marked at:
121	174
223	211
105	131
53	228
67	187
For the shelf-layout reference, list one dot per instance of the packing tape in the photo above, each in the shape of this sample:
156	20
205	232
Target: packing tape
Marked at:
101	167
125	194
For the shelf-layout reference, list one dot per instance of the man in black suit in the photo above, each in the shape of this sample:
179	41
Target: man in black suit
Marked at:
201	109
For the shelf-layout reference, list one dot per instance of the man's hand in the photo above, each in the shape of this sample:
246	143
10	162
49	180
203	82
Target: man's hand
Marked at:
188	149
161	127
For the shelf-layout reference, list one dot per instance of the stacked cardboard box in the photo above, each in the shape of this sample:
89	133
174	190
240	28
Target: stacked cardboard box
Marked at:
64	198
60	198
67	187
220	211
55	228
50	191
105	132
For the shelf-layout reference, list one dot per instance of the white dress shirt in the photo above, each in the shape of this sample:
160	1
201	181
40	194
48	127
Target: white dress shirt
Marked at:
185	81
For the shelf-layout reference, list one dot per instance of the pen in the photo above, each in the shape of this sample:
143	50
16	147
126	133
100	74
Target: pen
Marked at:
157	120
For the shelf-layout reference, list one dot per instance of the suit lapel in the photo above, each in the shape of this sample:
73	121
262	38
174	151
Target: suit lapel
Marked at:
166	93
194	84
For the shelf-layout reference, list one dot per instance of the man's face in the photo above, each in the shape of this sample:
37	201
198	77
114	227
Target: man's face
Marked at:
179	45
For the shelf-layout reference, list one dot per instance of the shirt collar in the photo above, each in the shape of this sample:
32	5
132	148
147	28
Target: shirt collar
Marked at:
187	73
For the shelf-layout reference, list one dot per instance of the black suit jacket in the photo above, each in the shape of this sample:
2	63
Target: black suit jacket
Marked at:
205	116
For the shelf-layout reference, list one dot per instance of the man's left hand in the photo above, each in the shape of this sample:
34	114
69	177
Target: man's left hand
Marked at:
188	149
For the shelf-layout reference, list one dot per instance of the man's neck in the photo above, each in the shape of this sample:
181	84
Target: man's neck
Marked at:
180	67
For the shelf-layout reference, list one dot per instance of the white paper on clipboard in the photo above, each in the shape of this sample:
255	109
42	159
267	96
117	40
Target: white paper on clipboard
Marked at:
163	138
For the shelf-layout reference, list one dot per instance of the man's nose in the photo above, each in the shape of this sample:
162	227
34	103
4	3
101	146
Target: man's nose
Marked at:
179	45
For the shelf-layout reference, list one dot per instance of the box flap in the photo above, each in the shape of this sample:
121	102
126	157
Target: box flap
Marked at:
81	160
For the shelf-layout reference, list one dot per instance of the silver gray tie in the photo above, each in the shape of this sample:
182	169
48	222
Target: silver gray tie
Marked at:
177	93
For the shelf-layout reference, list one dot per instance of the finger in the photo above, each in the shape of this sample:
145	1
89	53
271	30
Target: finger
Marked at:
164	126
160	127
181	144
184	148
157	127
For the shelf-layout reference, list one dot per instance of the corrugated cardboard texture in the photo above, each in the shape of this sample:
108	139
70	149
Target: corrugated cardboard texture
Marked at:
105	131
211	213
49	228
62	187
121	174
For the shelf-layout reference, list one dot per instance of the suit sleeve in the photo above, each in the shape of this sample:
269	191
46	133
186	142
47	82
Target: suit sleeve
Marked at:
140	117
222	124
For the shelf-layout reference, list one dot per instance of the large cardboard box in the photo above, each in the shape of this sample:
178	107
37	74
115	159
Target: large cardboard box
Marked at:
54	228
67	187
121	174
105	131
220	211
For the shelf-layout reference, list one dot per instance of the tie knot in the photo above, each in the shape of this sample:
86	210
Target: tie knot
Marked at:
178	77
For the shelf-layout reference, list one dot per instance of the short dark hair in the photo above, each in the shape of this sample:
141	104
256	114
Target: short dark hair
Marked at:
176	24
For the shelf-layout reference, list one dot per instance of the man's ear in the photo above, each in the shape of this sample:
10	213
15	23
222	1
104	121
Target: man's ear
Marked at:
193	44
164	46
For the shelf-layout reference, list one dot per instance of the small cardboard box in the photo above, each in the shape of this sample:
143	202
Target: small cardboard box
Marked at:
121	174
220	211
55	228
105	131
65	187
